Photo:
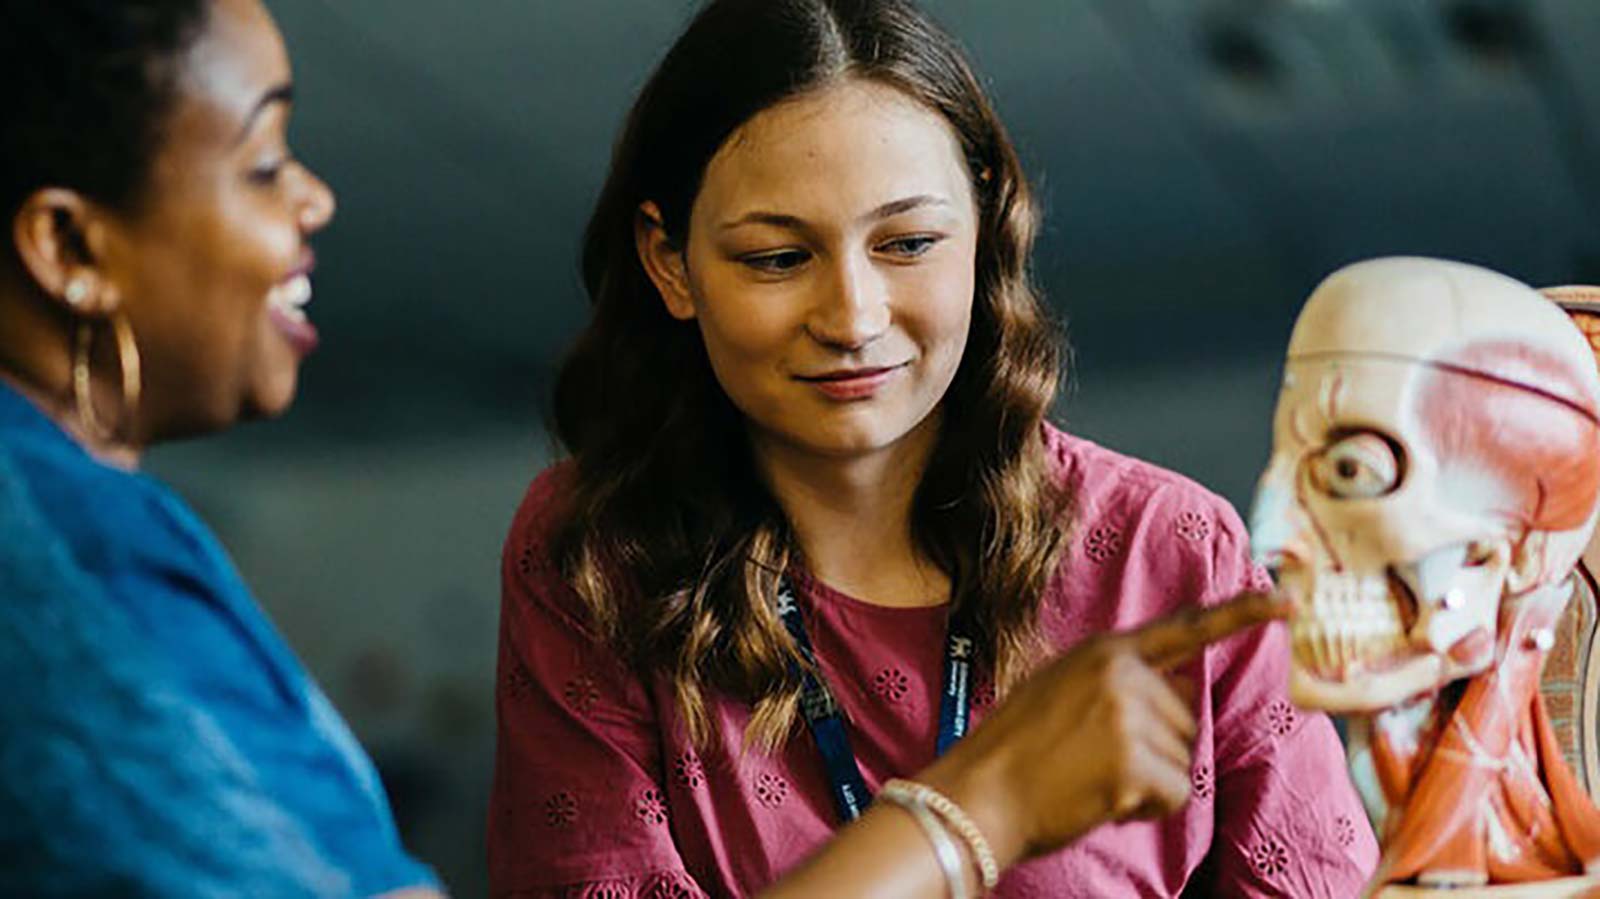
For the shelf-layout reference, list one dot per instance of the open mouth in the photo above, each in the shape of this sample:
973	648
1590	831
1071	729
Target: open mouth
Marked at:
286	306
291	297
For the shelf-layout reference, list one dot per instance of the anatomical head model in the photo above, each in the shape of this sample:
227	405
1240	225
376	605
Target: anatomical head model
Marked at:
1434	478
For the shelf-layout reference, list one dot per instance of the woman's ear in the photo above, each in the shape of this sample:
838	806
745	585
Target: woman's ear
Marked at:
663	261
60	238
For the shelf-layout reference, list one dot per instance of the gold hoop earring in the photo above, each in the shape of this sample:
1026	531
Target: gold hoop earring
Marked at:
83	370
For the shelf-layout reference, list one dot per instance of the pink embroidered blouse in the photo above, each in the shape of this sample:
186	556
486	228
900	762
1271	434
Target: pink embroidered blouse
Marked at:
597	793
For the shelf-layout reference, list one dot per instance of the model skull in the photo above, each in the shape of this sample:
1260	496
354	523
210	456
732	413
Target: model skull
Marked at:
1435	453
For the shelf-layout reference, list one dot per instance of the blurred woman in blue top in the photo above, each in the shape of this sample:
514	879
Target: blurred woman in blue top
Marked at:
156	735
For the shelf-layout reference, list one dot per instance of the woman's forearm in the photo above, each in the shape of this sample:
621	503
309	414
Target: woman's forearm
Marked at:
884	855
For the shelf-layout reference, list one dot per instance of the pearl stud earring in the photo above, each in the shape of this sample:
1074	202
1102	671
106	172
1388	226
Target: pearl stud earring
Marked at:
78	290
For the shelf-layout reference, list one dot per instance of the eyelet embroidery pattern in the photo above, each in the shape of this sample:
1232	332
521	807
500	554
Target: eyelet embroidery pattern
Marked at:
609	889
1269	859
1202	783
689	771
561	810
1344	831
518	683
1281	717
1103	543
1260	581
670	885
891	684
771	789
651	807
983	694
525	559
1192	526
665	885
581	693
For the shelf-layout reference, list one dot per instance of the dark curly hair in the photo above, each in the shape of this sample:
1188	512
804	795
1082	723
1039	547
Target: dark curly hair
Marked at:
89	85
671	538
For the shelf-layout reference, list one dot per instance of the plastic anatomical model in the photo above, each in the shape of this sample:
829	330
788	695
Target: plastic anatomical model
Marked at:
1434	478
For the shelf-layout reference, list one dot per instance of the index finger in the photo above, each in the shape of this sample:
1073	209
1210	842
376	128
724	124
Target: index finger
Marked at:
1177	638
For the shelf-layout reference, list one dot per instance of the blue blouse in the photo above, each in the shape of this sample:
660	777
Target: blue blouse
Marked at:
157	737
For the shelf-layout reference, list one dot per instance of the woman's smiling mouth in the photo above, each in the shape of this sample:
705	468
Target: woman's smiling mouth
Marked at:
852	384
286	305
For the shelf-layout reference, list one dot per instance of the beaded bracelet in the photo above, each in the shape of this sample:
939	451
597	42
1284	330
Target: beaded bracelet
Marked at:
988	870
944	847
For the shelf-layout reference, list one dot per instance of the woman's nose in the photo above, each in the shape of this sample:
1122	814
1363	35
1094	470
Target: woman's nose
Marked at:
853	308
318	206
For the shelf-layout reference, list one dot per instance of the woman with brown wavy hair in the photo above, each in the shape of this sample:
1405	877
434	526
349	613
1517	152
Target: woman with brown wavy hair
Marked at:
815	524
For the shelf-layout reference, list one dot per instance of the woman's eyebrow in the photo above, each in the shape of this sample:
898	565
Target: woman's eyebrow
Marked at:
896	207
283	93
785	220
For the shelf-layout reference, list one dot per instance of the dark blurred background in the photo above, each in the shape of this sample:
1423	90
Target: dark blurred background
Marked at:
1202	163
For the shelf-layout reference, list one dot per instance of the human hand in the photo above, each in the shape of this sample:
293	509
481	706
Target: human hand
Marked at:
1101	734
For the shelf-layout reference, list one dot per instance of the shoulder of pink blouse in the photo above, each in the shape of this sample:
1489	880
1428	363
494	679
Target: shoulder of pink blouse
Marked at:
543	505
577	805
1157	538
1082	463
528	565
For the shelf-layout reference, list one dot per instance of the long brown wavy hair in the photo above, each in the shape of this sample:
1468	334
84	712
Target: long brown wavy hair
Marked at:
671	538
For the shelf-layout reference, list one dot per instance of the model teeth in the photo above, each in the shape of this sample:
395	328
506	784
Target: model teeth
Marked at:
1352	624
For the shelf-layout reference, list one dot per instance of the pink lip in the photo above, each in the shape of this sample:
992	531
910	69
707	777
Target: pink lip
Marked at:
302	336
854	383
308	264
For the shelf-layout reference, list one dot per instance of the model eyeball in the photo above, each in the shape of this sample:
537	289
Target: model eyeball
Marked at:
1358	466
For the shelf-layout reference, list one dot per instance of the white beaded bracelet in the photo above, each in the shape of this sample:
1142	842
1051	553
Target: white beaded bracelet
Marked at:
922	794
944	847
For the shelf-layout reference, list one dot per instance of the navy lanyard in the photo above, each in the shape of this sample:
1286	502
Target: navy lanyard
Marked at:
822	714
